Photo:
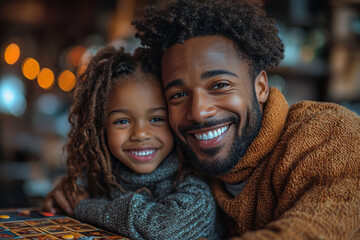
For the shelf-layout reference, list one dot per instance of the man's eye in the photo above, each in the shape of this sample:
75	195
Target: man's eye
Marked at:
220	85
178	95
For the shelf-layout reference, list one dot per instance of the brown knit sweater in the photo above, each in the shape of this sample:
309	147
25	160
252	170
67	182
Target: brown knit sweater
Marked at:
302	172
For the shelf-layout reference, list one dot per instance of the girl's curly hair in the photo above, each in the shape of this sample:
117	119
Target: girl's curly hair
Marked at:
88	156
254	34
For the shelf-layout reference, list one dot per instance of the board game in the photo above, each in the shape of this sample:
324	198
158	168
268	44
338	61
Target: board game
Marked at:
35	224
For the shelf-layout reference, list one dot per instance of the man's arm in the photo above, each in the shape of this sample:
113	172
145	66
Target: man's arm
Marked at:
330	211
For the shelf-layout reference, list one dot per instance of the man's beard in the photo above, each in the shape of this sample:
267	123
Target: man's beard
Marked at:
239	146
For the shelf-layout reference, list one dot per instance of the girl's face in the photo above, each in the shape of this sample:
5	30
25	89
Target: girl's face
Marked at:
137	128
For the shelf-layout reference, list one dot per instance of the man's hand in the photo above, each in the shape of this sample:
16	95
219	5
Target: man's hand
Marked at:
61	199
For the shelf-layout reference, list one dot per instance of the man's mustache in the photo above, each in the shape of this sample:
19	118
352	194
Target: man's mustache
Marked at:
208	124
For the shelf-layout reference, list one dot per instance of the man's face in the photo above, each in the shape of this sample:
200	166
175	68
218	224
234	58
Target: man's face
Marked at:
214	108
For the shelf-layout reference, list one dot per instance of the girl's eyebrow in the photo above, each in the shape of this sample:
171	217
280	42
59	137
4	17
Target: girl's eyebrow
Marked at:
125	111
119	111
158	109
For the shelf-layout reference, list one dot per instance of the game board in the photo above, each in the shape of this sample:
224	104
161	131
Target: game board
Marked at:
35	224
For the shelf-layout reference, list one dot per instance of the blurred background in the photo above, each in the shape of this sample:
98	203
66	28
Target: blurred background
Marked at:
44	45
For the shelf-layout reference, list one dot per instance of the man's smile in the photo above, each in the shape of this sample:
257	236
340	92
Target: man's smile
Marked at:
208	135
206	138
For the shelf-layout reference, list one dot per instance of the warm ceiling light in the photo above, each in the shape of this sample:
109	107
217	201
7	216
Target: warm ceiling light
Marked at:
66	81
46	78
30	68
12	53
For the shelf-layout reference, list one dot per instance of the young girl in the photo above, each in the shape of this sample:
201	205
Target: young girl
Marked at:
122	146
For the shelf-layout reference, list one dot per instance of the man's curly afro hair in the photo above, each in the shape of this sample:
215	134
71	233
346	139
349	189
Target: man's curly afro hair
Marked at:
255	35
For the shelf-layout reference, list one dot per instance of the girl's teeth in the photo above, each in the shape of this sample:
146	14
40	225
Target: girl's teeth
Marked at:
211	134
143	153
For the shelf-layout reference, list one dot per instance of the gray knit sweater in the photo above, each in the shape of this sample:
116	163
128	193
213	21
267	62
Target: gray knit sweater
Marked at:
187	211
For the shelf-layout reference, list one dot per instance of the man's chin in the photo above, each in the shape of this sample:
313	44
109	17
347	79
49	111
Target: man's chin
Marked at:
210	161
214	166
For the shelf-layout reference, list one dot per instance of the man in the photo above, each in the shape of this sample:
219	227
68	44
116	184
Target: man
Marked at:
280	173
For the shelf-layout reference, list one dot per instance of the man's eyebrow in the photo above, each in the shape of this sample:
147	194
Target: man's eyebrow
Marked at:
212	73
176	82
205	75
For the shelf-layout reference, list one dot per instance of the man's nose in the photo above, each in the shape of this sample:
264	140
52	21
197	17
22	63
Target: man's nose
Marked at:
140	132
201	107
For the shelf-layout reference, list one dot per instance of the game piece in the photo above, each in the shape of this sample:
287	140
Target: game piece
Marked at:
25	212
47	214
69	236
76	235
4	216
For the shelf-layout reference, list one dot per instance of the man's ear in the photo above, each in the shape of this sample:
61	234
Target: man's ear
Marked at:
262	89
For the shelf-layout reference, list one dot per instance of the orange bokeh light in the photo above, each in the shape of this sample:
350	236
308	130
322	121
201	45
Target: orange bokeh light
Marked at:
12	53
30	68
75	54
66	81
46	78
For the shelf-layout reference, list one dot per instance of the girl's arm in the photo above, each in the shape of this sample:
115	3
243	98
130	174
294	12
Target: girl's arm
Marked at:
187	213
61	199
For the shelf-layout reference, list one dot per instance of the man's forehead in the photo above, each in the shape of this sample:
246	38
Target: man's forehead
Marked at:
203	45
209	50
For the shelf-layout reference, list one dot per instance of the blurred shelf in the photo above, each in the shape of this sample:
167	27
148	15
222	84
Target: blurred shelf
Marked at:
341	2
316	70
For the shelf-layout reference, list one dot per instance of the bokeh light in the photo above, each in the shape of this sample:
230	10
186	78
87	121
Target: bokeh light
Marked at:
307	54
12	99
48	104
12	53
46	78
30	68
74	55
66	81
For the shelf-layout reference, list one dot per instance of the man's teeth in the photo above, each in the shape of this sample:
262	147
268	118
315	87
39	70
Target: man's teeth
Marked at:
211	134
143	153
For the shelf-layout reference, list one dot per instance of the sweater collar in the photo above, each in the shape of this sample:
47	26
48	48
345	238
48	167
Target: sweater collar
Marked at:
167	169
273	121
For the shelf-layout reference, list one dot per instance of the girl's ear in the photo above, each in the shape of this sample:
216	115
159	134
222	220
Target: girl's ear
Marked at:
262	89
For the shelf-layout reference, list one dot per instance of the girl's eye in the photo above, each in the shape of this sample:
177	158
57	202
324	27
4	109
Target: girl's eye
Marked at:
178	95
157	119
121	121
220	85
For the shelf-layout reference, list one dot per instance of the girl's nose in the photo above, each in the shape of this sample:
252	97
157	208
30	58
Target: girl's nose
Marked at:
140	132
